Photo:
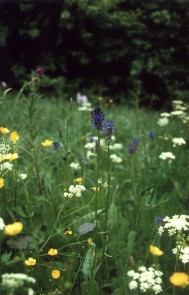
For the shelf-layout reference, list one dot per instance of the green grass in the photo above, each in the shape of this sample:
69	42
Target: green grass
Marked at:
140	188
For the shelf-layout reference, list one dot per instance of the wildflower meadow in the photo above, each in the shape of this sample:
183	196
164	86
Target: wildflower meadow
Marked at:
94	195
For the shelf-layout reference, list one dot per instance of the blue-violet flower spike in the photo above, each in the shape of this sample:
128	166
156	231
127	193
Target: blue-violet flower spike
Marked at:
152	134
108	127
97	118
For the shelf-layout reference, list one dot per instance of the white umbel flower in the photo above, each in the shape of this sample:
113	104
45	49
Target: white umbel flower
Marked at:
167	155
178	141
163	121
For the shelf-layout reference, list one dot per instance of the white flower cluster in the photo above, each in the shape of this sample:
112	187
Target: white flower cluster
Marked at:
115	159
178	141
4	149
7	166
182	252
165	115
163	121
146	279
180	110
167	155
86	106
15	280
22	176
116	146
2	224
74	191
75	166
175	224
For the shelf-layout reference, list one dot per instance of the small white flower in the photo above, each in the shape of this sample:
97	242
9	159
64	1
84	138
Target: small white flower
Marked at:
175	224
81	98
116	146
22	176
30	291
75	166
167	155
15	280
74	191
177	113
146	280
163	122
90	145
2	224
6	166
184	255
178	141
133	285
115	159
165	115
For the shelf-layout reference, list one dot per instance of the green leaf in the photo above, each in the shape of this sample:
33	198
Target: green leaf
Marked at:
131	241
89	261
5	257
112	214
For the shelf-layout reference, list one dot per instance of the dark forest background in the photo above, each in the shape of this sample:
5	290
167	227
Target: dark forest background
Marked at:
119	48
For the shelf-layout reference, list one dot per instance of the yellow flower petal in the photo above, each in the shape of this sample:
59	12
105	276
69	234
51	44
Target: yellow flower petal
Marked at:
55	274
155	251
2	182
90	241
68	232
52	252
12	157
14	136
179	279
95	188
30	261
13	229
78	180
4	130
47	143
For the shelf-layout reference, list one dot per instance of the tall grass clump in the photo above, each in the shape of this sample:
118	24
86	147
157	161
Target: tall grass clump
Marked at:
93	196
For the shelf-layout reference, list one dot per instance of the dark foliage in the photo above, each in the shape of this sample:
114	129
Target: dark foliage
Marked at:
125	49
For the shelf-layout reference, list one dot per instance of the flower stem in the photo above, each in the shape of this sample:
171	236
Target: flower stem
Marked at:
97	176
108	198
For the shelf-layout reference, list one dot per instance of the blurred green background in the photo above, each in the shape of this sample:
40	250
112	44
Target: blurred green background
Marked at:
118	48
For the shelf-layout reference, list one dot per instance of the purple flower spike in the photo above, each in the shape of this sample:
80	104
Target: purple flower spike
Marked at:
152	134
97	118
108	128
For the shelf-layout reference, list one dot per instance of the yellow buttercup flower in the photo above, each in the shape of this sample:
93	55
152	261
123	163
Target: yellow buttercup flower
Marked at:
47	143
30	261
179	279
2	182
13	229
111	100
55	273
12	157
78	180
14	136
95	189
4	130
68	232
155	251
52	252
90	241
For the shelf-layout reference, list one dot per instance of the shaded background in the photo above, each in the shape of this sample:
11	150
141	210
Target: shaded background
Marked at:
119	48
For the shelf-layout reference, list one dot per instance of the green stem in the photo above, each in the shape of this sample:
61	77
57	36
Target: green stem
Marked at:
107	199
97	176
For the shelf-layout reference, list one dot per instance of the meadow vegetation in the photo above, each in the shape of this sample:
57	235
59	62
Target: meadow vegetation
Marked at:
94	196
